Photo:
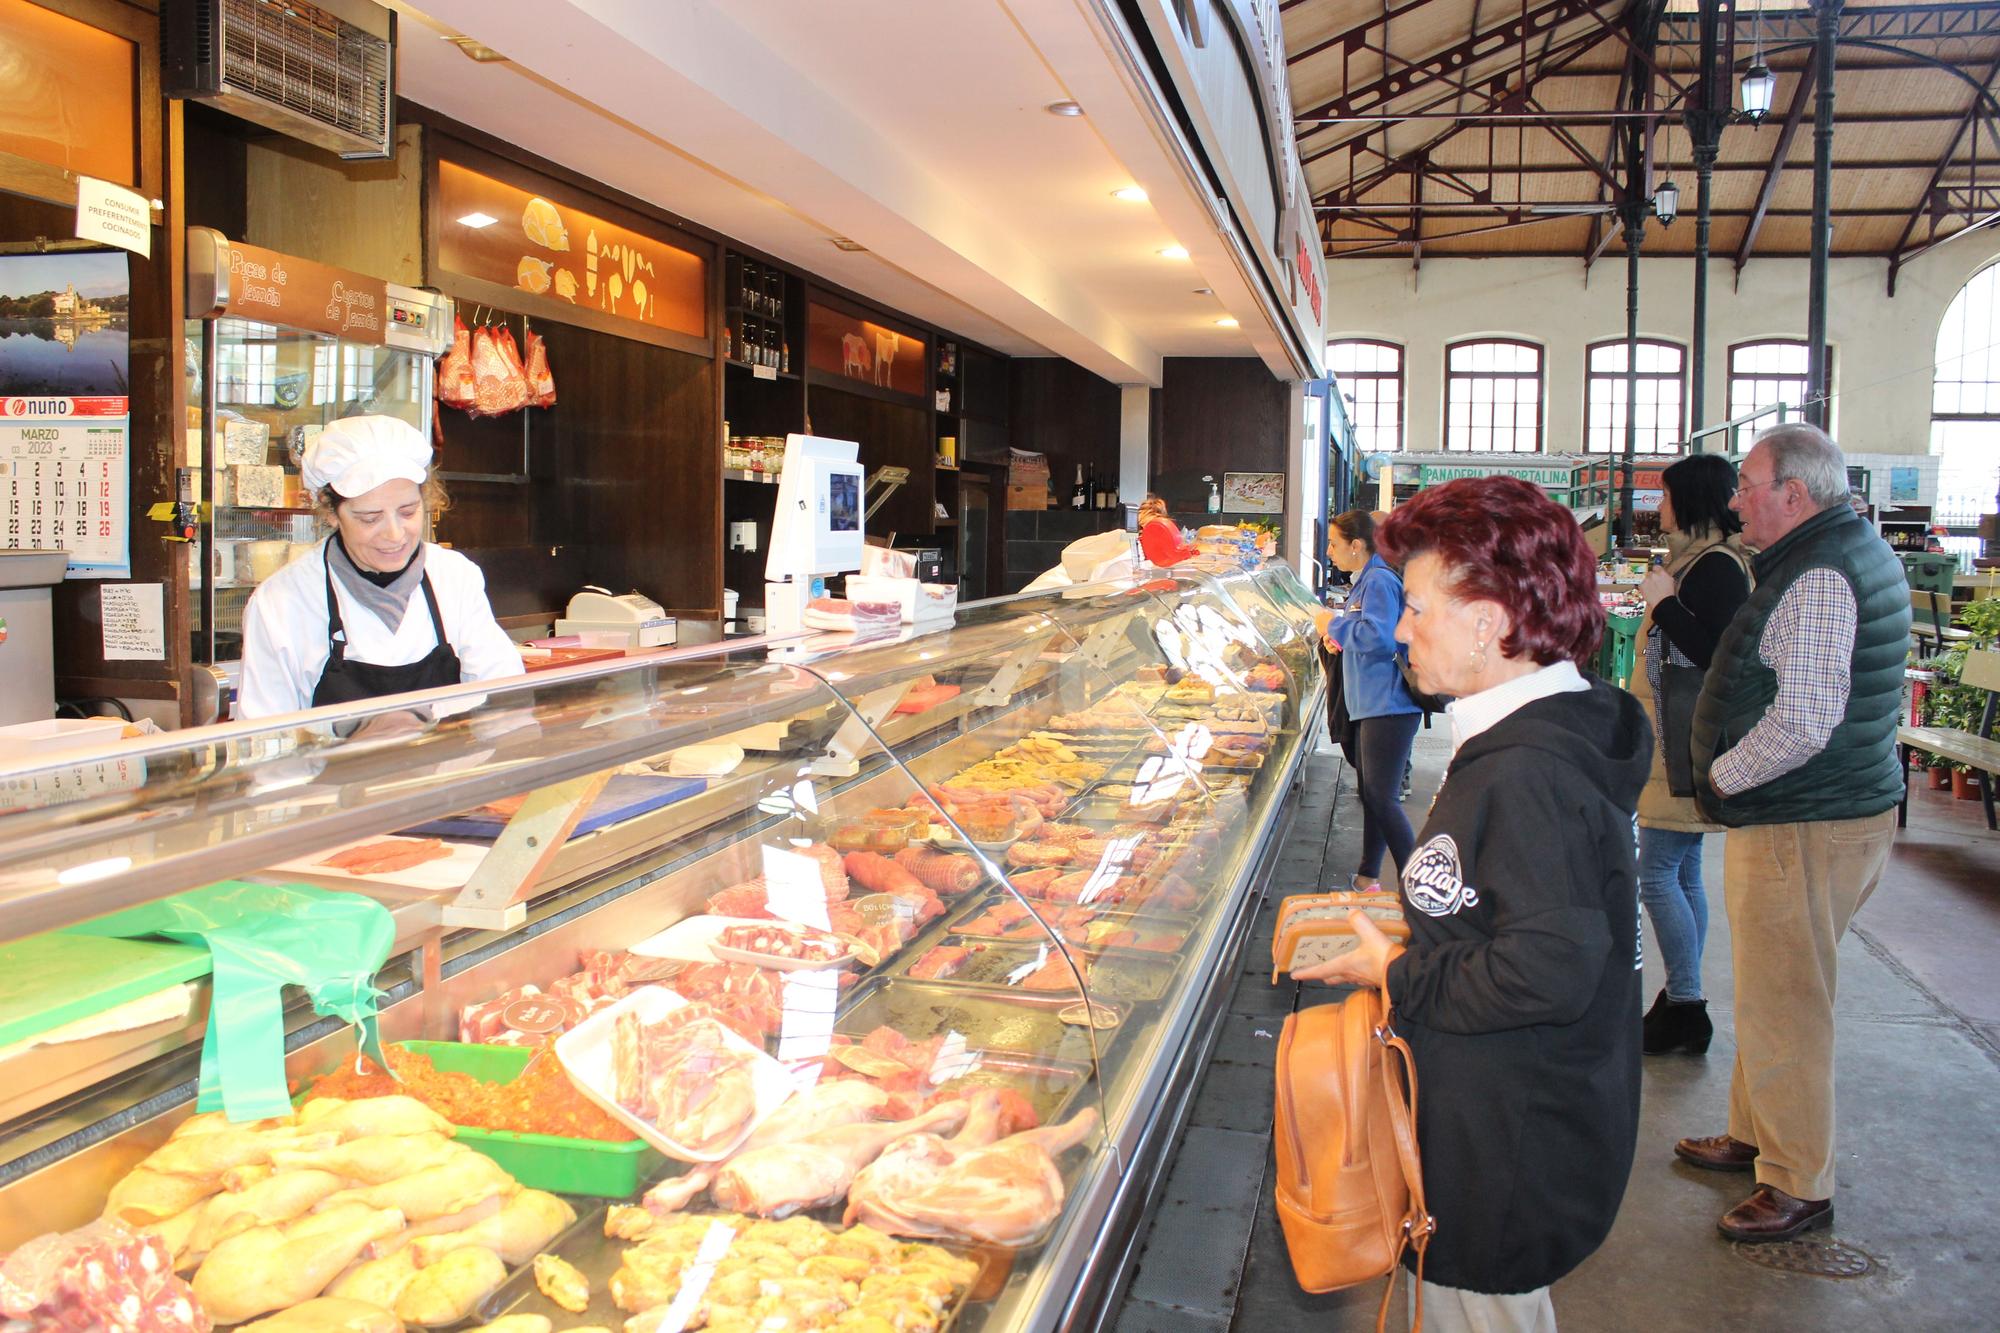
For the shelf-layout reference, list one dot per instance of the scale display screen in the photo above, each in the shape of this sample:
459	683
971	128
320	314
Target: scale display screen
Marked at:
843	502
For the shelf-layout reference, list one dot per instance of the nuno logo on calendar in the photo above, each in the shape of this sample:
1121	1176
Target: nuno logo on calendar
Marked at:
40	407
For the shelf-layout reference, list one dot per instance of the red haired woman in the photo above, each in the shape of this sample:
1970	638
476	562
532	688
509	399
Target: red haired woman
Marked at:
1519	991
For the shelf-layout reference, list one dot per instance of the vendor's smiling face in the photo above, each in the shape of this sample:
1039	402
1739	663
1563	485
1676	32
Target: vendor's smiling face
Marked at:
381	528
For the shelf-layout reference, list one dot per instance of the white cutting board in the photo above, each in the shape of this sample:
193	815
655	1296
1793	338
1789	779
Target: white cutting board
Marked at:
447	874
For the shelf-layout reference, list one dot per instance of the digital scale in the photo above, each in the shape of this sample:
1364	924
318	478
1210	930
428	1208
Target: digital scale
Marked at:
642	622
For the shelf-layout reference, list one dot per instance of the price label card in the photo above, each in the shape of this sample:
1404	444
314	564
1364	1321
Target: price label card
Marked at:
537	1014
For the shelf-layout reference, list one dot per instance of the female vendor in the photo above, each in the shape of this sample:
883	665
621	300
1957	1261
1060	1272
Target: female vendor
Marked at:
375	609
1159	536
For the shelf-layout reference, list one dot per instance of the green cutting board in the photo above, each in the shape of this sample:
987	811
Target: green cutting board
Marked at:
47	981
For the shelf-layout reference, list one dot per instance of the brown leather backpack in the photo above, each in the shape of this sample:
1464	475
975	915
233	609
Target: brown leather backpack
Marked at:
1350	1189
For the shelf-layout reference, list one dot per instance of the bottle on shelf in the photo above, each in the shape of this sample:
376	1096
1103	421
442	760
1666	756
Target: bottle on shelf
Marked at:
785	356
728	342
1214	496
1076	495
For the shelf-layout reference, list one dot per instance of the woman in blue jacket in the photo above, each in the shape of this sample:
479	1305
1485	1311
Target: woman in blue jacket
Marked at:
1384	719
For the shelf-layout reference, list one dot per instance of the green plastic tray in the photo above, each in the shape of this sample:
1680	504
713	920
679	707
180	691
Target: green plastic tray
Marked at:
542	1161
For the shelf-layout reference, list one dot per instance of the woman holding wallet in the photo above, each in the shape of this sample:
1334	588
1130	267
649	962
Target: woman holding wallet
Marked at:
1520	983
1689	602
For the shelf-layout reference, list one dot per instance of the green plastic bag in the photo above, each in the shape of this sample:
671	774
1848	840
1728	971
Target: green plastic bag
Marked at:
261	938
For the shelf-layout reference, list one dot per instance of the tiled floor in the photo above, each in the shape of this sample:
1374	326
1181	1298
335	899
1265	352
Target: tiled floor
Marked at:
1919	1047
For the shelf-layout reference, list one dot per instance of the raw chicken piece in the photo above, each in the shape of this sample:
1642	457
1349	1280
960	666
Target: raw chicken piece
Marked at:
279	1198
822	1106
377	1282
561	1283
622	1221
371	1116
463	1220
146	1196
519	1323
329	1315
373	1159
779	1180
446	1291
271	1268
530	1220
467	1178
209	1155
1004	1194
918	1159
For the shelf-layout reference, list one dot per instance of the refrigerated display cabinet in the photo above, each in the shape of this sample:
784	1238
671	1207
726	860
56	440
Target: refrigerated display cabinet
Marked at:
1038	831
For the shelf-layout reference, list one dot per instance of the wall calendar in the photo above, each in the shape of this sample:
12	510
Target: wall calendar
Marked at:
64	470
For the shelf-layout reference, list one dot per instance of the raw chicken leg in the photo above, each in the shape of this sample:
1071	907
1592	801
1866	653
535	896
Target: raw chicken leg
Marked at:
374	1159
327	1315
377	1282
371	1115
517	1232
279	1198
778	1180
271	1268
916	1160
209	1155
822	1106
451	1186
1004	1194
146	1196
446	1291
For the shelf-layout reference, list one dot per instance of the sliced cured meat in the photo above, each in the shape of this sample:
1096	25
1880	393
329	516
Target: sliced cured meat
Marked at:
940	962
387	855
455	381
541	380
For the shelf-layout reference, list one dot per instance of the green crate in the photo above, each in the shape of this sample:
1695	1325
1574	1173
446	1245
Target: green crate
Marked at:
542	1161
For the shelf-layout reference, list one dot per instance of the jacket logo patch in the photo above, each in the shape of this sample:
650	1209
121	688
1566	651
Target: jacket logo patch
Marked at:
1434	884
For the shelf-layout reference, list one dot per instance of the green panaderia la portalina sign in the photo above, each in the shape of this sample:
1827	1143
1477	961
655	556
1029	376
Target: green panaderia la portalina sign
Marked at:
1541	474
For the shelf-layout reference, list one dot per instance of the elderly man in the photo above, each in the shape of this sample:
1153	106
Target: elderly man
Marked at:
1794	750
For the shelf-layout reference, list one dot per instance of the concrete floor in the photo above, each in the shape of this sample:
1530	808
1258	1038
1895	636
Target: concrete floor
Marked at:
1919	1099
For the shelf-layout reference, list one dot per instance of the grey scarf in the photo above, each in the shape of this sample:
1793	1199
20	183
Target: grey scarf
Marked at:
386	597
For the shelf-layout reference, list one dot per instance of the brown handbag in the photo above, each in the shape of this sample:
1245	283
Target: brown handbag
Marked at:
1350	1188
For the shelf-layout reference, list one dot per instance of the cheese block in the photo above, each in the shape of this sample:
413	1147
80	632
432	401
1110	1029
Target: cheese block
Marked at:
256	485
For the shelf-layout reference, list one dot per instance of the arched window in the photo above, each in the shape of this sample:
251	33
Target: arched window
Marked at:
1493	396
1965	410
1369	377
1661	390
1769	371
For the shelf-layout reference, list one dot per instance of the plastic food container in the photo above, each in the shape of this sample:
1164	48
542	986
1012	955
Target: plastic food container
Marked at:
542	1161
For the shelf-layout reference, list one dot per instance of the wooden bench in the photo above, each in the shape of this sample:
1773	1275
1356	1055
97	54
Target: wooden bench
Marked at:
1977	749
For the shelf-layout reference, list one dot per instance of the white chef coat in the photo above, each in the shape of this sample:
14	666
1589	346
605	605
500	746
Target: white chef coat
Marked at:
284	630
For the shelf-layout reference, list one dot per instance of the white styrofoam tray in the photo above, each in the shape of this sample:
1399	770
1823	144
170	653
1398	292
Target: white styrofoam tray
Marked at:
585	1052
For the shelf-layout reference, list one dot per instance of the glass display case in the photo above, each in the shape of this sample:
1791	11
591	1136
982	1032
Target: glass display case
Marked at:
277	348
897	956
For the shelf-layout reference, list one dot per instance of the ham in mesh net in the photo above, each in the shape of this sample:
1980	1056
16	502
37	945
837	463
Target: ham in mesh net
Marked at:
499	386
456	386
541	380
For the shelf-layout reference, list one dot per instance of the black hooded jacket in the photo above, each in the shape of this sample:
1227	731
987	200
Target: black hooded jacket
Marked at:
1520	990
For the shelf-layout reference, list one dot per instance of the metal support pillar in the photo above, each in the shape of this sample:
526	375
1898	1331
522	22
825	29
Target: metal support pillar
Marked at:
1705	117
1822	230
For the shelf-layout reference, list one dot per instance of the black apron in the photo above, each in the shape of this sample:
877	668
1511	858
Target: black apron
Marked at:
344	682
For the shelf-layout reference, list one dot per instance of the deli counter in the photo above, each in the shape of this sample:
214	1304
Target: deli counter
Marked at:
855	985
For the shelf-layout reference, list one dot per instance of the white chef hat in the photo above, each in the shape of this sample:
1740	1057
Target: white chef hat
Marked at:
354	455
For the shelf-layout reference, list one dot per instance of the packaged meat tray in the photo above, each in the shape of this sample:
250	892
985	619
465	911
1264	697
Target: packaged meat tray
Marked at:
747	1084
1000	916
1026	1024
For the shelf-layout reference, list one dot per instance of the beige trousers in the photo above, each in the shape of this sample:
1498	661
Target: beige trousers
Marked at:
1791	889
1455	1310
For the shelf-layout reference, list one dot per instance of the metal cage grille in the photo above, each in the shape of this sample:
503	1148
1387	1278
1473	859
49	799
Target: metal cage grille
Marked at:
310	62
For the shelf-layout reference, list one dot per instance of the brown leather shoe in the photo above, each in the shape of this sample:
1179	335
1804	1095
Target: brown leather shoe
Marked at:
1771	1214
1717	1152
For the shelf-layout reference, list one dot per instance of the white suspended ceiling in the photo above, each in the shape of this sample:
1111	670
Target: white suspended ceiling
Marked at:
916	128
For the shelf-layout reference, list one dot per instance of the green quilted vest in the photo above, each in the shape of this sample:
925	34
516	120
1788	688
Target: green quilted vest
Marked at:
1856	774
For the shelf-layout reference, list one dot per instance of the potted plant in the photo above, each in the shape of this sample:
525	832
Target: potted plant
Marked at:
1944	670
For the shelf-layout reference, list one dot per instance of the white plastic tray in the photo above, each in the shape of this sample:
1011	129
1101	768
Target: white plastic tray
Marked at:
585	1052
688	940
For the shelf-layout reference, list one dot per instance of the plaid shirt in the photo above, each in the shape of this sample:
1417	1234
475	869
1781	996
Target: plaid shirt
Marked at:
1809	643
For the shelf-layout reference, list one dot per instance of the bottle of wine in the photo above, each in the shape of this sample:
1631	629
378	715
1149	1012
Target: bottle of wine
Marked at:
1076	495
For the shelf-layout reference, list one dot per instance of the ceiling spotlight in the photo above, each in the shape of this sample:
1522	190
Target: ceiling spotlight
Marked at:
843	243
477	220
1667	202
1174	252
1226	322
1131	194
1758	87
1063	108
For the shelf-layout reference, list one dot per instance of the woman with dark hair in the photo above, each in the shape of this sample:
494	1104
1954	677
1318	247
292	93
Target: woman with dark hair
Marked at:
1382	718
1520	982
1689	602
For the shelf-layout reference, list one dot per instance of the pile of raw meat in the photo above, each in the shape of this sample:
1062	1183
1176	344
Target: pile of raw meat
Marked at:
684	1076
